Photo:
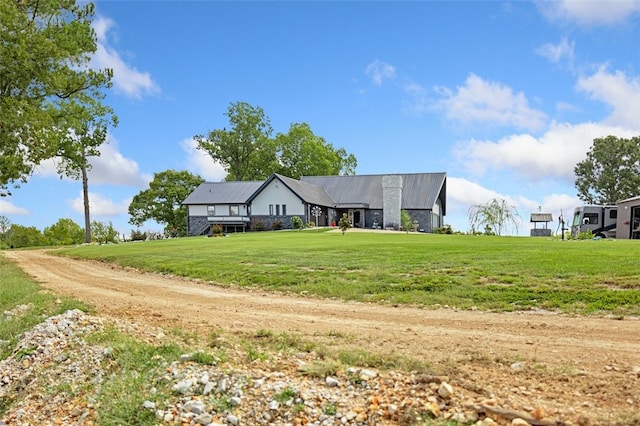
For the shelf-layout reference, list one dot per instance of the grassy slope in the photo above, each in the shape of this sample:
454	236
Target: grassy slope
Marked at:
494	273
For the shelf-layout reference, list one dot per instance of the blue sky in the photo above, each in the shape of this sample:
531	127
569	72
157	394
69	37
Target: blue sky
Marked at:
506	97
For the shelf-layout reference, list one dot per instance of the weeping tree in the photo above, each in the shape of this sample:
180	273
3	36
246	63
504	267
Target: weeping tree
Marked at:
495	216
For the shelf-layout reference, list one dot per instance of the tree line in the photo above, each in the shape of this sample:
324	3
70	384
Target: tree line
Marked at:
62	233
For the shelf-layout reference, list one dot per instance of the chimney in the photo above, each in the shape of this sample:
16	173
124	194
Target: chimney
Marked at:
391	200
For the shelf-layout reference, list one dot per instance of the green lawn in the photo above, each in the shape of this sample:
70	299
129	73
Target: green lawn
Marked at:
490	273
493	273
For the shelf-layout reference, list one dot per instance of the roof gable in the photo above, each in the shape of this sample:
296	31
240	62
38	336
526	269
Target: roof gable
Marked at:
307	192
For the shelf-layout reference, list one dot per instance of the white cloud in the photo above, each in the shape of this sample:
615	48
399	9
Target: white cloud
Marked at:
379	71
10	208
126	78
463	193
552	155
595	12
617	90
563	51
110	168
100	205
481	101
201	163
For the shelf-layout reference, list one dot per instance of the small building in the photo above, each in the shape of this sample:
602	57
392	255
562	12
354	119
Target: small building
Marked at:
541	219
628	220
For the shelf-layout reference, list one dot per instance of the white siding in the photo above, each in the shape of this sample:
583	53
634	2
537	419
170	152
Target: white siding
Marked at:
221	210
277	193
197	210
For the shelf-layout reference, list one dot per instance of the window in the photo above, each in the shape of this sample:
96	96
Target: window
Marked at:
613	214
590	218
277	209
211	210
234	210
284	210
270	209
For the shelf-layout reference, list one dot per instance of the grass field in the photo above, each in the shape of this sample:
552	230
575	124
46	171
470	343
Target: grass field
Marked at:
490	273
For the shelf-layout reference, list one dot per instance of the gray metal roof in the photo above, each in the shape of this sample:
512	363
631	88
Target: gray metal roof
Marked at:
309	192
223	192
541	217
419	190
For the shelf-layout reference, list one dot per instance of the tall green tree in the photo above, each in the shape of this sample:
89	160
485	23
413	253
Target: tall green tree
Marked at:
245	151
162	201
46	85
495	216
104	232
611	171
302	153
5	225
73	160
64	232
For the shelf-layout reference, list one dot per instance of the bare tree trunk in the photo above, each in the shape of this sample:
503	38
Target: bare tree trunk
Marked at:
85	194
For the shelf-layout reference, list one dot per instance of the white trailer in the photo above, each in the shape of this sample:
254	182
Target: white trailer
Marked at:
600	220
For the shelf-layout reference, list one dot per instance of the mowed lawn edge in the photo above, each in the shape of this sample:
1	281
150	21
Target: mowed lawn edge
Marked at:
462	271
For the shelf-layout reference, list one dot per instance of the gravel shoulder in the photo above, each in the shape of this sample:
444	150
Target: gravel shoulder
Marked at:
575	367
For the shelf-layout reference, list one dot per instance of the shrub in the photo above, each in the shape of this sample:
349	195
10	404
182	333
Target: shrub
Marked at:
587	235
217	230
344	223
258	225
137	235
405	218
446	229
297	222
277	225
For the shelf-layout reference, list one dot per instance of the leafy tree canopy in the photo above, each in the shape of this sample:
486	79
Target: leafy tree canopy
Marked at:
611	171
64	232
301	153
25	236
247	151
47	89
162	202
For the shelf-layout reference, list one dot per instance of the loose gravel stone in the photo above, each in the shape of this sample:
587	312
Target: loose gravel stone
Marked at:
55	355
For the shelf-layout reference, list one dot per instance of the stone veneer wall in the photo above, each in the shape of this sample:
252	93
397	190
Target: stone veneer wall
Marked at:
269	220
370	216
391	200
423	217
196	224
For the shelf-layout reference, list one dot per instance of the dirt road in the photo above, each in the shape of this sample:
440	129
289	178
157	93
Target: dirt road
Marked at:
589	364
